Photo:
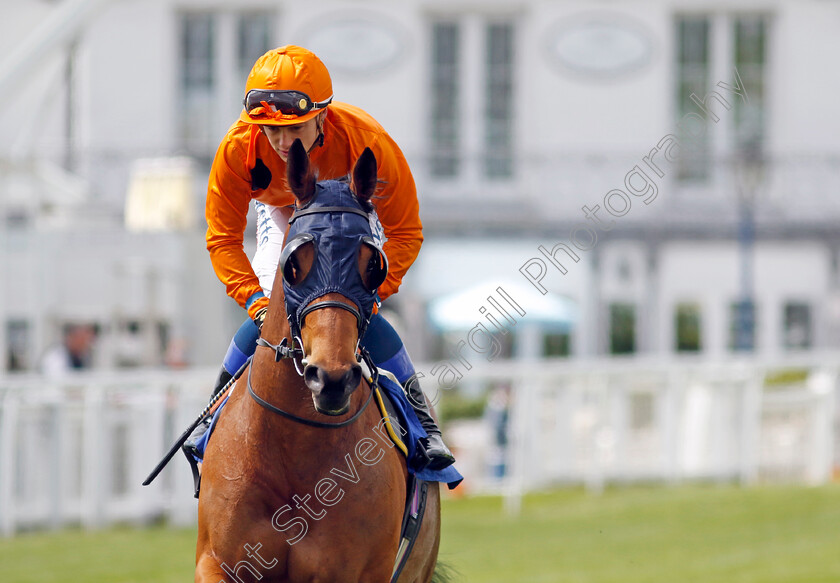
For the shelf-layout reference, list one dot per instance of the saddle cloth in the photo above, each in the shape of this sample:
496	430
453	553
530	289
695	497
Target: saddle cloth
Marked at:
395	408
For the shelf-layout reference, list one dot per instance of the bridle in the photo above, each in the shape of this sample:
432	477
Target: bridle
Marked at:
297	315
284	351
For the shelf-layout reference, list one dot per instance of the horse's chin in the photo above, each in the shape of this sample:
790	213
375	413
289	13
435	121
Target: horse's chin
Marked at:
330	408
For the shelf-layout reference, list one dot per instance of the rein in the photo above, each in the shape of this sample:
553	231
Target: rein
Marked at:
283	351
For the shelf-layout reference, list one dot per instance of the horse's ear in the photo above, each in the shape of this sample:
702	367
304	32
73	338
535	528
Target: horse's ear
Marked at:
364	175
299	172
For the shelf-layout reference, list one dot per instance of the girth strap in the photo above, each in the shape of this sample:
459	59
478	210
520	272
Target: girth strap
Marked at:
415	510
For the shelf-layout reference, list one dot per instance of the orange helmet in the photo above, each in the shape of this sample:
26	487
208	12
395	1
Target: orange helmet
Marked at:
287	85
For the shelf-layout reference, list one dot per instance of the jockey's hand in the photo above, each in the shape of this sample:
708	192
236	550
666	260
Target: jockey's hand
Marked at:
259	317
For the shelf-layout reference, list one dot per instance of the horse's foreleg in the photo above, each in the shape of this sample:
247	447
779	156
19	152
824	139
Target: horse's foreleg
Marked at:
208	570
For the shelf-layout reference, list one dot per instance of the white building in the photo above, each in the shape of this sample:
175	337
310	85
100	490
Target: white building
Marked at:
657	117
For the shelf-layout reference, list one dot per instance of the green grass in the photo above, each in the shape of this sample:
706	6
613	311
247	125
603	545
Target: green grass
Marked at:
650	535
155	555
626	535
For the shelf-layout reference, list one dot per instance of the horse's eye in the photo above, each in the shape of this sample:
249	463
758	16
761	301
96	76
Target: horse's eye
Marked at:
290	270
296	260
376	268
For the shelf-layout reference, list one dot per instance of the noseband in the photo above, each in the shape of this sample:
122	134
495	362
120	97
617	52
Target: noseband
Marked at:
283	351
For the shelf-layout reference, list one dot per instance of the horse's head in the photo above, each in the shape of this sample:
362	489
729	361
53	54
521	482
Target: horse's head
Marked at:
331	267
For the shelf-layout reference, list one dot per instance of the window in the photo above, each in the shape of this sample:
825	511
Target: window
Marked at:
498	109
622	328
218	50
742	326
556	344
253	37
445	98
709	48
472	64
750	39
197	49
798	332
687	328
693	64
198	79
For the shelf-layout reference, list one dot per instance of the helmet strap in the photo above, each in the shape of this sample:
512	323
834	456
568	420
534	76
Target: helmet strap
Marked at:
319	141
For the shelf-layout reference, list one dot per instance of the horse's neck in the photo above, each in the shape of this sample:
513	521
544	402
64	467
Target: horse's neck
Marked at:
278	382
276	325
300	454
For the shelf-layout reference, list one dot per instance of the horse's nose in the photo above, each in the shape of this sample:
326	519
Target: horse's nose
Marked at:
320	381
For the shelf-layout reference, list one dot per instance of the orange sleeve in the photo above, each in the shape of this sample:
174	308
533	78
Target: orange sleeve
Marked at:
398	210
226	211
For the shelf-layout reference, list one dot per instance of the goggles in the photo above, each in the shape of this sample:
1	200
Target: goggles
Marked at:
283	102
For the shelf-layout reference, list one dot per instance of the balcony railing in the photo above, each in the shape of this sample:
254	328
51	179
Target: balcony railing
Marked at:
553	188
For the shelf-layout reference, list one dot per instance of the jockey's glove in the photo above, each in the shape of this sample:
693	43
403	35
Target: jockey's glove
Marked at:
259	317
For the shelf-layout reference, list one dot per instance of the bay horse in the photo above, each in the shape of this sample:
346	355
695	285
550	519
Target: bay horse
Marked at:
317	500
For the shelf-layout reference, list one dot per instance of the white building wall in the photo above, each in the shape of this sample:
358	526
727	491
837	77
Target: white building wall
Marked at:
130	79
576	138
805	77
709	275
129	83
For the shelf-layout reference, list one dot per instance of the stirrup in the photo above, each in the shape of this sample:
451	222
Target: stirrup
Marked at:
197	433
191	453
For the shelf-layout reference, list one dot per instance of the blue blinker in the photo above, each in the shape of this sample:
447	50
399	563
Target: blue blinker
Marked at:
337	225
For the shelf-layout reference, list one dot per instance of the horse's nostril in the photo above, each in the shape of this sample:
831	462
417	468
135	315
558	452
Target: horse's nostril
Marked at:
320	381
353	377
314	377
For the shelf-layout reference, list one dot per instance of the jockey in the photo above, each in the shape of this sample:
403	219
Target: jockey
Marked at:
288	95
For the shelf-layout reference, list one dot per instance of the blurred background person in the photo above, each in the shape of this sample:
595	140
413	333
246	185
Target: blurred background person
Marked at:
73	353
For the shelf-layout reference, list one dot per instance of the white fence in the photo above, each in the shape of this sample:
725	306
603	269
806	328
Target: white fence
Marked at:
614	422
76	452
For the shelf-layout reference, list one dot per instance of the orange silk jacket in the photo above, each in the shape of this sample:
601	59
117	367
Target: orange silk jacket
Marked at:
347	131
